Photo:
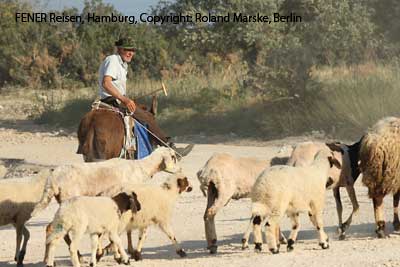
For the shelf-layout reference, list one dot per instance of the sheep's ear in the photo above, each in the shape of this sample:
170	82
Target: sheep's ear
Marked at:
123	201
334	162
134	203
329	182
335	147
182	184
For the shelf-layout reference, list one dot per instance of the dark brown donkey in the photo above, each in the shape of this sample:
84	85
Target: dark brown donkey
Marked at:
101	133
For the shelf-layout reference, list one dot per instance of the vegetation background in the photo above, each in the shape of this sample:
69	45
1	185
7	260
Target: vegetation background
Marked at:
337	72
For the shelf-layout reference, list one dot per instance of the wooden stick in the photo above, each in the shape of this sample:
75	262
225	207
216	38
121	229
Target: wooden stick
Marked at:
163	88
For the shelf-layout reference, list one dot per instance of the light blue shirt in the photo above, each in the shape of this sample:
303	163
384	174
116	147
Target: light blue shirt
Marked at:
115	67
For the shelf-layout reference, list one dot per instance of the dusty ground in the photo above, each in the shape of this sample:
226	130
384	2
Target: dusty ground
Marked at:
40	148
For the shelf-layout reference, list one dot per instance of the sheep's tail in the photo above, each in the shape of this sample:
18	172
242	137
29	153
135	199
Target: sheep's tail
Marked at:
85	134
206	176
259	209
47	195
55	230
203	186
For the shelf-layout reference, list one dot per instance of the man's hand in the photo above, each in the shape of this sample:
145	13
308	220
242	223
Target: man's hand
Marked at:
109	88
129	103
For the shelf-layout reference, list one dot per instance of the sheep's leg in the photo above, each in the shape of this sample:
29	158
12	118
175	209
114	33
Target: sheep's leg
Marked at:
246	235
353	198
67	240
137	254
294	232
49	231
130	246
396	221
213	205
282	238
312	218
119	248
94	245
21	254
100	250
50	249
73	249
379	216
107	249
319	224
257	233
75	237
114	248
277	235
168	231
272	233
339	209
18	229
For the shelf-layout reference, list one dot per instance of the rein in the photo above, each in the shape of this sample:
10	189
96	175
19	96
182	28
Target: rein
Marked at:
150	132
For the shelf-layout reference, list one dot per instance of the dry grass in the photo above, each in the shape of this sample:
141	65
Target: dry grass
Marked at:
342	102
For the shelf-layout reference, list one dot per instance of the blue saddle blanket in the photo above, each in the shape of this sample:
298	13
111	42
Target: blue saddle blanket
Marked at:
143	145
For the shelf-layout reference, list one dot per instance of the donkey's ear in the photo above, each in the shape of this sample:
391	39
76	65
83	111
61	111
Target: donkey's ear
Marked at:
154	105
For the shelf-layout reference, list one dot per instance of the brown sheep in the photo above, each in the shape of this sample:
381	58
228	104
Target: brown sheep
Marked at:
380	166
303	155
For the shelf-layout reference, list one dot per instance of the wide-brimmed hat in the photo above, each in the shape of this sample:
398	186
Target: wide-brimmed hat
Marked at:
126	43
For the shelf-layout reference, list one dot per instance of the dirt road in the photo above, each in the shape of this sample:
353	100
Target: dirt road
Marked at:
360	249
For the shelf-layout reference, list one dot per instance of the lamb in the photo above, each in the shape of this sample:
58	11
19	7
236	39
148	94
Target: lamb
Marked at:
303	155
90	179
225	177
380	166
18	198
93	215
157	204
287	189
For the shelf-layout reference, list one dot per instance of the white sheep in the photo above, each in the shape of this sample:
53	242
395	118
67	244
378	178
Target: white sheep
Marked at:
287	189
95	216
225	177
303	155
380	166
157	204
90	179
18	198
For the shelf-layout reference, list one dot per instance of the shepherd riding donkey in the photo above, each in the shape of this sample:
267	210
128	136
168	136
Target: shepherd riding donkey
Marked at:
105	131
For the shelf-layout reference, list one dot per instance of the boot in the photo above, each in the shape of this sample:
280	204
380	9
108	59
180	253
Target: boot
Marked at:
182	151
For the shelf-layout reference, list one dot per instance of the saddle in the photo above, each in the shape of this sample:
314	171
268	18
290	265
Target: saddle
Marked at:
129	146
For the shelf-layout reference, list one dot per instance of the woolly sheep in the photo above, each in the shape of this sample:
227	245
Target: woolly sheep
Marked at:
90	179
303	155
95	216
18	198
225	177
287	189
157	204
380	166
